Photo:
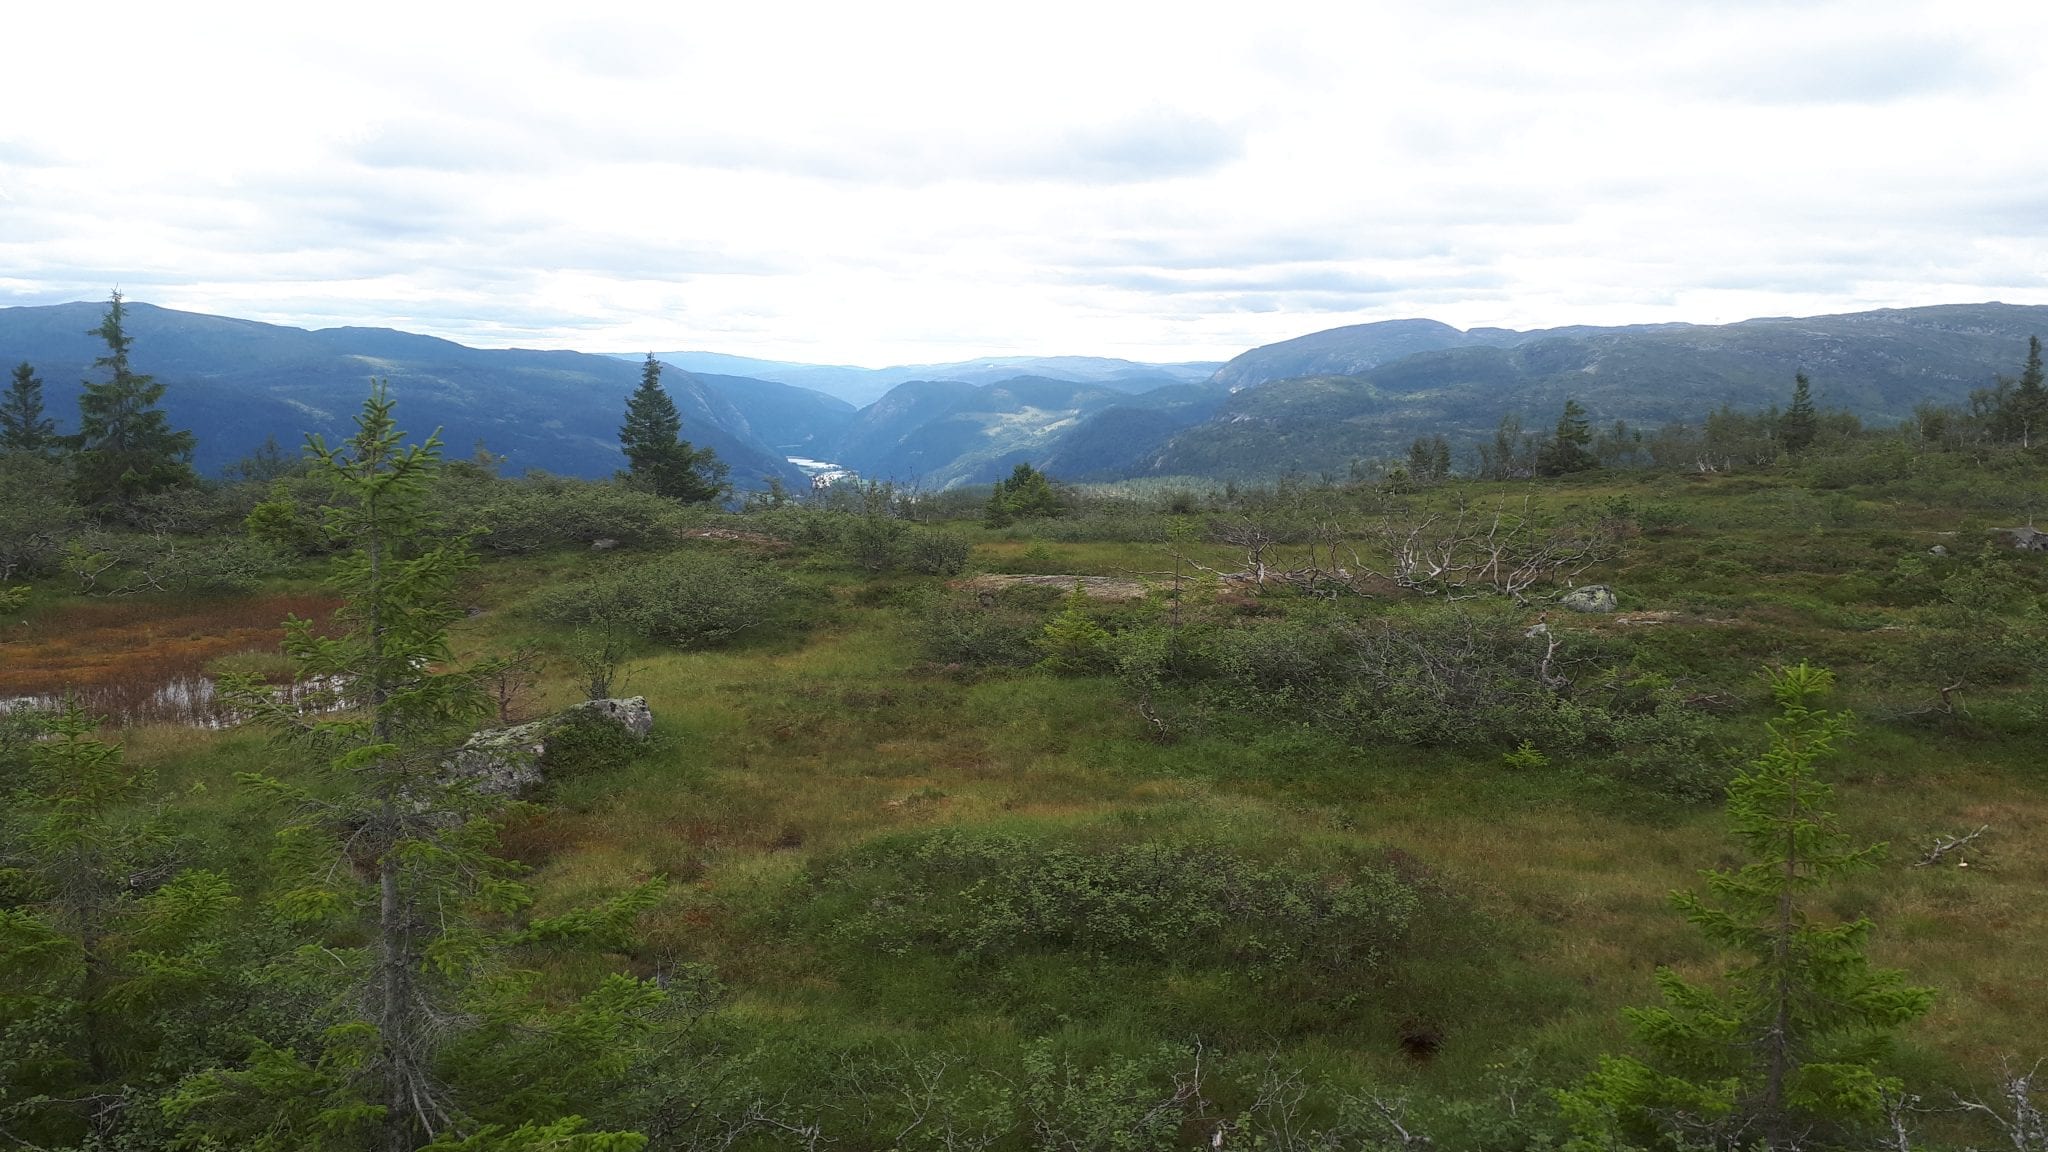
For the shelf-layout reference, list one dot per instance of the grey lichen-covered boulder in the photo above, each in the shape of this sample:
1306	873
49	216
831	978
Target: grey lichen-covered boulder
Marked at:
513	761
2028	539
1590	598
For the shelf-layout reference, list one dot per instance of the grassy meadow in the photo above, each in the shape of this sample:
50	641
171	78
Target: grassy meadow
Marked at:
890	856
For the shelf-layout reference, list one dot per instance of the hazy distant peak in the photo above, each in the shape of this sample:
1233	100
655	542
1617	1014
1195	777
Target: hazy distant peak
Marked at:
862	386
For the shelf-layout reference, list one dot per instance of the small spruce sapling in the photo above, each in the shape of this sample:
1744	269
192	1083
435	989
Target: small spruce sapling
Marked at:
1788	1051
102	942
1072	642
23	427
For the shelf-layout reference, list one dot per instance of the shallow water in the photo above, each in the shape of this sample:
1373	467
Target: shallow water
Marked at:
193	701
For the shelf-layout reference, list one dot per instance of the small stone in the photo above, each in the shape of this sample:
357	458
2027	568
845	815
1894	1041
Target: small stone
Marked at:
1591	598
1938	550
604	545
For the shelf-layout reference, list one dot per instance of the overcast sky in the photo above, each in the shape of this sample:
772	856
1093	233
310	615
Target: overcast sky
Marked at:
884	183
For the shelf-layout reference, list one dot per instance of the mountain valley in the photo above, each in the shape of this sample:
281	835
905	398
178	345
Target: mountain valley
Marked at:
1314	404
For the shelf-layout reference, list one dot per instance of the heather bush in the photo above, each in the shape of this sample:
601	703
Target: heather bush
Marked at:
686	598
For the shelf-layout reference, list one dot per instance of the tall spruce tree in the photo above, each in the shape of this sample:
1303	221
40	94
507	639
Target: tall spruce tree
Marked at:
659	459
1569	447
394	860
2028	418
23	428
1786	1052
1800	423
126	445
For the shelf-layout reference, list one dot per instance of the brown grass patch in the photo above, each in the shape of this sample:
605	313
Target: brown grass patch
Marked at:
143	660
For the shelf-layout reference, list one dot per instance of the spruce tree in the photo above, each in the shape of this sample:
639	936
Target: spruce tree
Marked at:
1429	458
387	849
1072	641
2029	401
400	702
1511	455
100	943
23	427
1800	423
1024	494
126	446
1567	450
1786	1052
659	459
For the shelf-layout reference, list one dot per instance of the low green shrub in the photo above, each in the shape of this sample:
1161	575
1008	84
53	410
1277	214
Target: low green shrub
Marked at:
546	512
872	542
985	897
688	598
1434	675
103	561
935	552
996	630
584	743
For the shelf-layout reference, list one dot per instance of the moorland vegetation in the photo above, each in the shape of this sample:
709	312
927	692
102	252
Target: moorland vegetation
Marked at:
1299	815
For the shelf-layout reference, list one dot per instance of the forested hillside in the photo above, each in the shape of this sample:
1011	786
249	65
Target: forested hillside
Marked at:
1316	405
239	382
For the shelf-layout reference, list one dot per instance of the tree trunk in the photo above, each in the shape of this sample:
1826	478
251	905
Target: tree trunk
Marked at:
394	988
1778	1057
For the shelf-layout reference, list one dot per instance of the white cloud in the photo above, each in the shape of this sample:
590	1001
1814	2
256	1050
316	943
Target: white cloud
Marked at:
921	182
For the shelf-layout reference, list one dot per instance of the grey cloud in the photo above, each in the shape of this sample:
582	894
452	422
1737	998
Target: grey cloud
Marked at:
612	50
366	206
2019	211
1773	277
1156	145
78	286
453	146
1849	71
636	259
22	154
1197	251
1221	280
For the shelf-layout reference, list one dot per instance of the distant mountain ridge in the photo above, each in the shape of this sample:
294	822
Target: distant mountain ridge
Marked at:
863	386
1310	404
1287	414
235	382
1359	348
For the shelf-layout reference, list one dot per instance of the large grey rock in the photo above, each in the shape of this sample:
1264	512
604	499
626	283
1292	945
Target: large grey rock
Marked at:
1590	598
2028	539
631	713
510	761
